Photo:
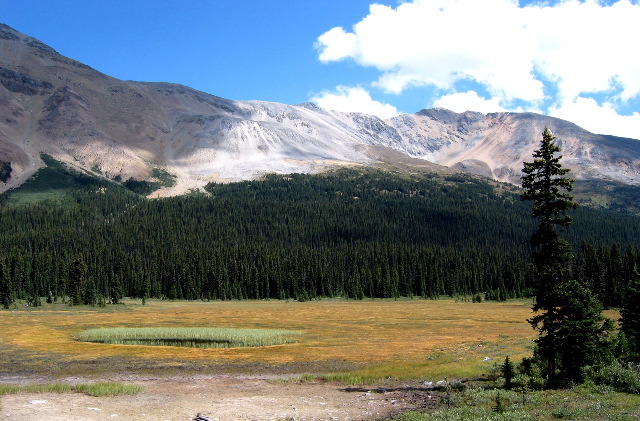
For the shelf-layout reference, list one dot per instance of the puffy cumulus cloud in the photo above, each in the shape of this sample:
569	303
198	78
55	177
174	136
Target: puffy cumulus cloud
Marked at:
469	101
336	44
354	99
440	41
602	119
542	55
581	46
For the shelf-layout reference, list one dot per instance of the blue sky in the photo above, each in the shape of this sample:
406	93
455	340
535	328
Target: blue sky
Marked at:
237	49
573	59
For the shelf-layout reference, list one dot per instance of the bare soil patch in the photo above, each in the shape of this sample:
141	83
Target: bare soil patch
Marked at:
221	398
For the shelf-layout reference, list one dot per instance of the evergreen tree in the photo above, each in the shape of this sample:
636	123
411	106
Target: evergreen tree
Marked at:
77	278
302	235
542	184
566	312
630	314
508	372
582	332
116	290
6	297
90	293
34	300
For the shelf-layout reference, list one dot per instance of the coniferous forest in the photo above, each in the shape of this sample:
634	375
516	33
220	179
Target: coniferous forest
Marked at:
352	233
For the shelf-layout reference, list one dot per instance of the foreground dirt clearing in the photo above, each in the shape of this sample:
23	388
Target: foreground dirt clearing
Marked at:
218	398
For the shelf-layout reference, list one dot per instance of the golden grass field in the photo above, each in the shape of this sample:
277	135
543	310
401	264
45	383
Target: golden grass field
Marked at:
364	342
371	339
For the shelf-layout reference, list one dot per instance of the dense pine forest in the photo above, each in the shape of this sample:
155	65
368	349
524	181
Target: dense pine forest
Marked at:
352	233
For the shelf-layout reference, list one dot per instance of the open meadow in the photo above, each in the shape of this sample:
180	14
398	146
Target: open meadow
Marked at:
342	359
371	339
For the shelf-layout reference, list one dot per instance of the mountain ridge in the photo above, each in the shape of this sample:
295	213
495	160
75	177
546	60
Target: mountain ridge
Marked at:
124	130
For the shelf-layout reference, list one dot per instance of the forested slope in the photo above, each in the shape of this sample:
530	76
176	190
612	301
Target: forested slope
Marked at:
351	233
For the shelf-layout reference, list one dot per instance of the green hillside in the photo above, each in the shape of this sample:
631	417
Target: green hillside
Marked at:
350	233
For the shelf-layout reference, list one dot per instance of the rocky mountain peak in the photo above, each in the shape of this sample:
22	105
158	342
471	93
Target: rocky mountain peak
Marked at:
8	33
123	129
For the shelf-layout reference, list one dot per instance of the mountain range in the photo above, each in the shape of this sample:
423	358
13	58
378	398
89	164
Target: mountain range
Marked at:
126	130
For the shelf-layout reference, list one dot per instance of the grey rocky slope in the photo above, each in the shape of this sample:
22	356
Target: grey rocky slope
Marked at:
123	129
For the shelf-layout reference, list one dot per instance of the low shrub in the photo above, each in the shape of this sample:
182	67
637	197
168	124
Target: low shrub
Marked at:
466	413
621	377
458	386
567	413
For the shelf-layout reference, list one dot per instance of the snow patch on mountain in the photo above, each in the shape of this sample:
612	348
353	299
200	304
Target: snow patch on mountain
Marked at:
124	129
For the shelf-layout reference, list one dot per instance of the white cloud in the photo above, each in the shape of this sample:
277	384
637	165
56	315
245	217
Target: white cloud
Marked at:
542	56
440	41
336	44
585	46
469	101
602	119
354	99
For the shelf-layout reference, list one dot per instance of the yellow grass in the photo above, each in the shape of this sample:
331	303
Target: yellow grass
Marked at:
384	338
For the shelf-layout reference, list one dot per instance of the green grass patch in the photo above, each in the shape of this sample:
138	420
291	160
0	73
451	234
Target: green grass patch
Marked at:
462	362
53	182
197	337
36	388
92	389
467	413
160	178
496	405
108	389
165	178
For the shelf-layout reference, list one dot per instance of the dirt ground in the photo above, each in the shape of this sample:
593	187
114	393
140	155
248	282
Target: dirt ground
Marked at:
221	398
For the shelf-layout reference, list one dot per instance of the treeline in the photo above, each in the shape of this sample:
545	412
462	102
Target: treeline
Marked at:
351	234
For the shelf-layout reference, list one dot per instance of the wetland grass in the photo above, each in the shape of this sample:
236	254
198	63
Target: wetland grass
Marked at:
365	340
194	337
108	389
91	389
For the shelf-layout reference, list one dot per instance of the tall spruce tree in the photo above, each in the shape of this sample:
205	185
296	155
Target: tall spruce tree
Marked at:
561	304
582	332
6	297
630	314
77	279
543	183
116	290
508	372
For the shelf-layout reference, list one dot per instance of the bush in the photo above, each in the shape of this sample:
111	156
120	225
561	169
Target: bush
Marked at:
623	378
468	413
522	381
458	386
567	413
